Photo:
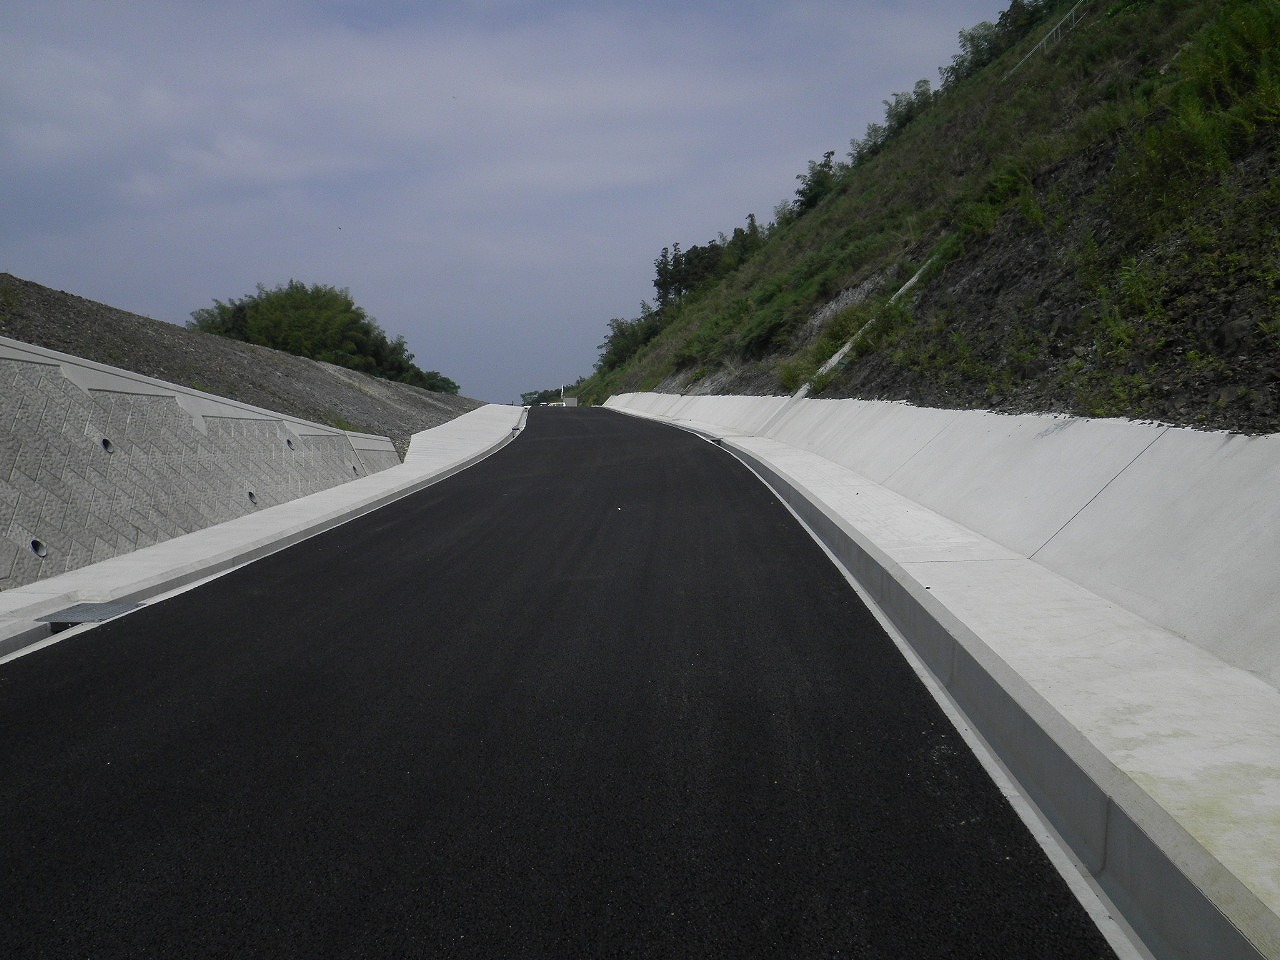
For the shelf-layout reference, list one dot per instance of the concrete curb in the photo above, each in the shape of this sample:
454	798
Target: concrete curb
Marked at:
1181	899
433	456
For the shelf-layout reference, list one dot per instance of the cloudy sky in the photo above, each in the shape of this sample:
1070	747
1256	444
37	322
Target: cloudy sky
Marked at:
491	179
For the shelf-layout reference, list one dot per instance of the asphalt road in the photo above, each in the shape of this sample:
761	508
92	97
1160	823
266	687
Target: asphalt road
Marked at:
597	696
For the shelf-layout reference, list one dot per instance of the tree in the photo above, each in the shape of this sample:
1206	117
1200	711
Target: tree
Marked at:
979	45
663	281
984	42
817	183
739	247
626	337
320	322
905	107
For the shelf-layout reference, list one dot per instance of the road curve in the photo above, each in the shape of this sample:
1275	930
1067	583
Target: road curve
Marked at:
597	696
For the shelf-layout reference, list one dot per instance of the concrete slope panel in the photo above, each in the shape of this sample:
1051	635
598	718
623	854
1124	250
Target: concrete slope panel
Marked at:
1019	479
744	414
875	438
1189	537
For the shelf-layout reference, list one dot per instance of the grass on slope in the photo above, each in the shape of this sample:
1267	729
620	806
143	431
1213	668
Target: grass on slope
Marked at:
1133	158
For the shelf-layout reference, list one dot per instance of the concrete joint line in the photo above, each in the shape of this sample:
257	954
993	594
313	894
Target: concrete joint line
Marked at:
68	372
1108	836
781	413
1136	457
197	419
923	447
356	453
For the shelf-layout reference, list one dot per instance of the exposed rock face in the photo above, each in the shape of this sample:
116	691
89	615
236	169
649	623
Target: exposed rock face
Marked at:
1184	331
320	392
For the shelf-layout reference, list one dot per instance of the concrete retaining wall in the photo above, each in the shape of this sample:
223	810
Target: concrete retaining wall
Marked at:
96	462
1181	527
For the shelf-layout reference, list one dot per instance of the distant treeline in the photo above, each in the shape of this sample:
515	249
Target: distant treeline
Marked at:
678	273
320	322
532	398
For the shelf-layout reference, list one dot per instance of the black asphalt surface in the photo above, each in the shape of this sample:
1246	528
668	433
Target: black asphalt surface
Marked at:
597	696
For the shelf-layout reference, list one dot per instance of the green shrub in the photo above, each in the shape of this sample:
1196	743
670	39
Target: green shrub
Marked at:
320	322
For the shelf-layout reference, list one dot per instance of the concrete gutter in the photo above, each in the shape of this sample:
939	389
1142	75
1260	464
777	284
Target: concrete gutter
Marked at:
433	455
1157	762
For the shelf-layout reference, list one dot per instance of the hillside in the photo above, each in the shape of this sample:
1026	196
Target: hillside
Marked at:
1089	218
315	391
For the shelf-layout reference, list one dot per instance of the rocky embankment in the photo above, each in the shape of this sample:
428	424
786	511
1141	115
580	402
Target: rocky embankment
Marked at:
320	392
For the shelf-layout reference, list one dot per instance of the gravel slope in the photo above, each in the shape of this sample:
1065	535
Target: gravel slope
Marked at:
320	392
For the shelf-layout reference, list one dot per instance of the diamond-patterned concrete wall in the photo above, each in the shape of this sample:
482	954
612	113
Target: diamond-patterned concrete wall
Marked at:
88	475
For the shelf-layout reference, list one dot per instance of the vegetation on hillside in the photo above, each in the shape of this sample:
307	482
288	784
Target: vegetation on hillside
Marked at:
1094	217
320	322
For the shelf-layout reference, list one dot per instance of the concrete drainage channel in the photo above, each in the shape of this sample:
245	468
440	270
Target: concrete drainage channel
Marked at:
1101	718
44	611
840	548
1119	935
1050	781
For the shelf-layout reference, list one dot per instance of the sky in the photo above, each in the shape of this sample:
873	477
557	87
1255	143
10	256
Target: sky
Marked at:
490	179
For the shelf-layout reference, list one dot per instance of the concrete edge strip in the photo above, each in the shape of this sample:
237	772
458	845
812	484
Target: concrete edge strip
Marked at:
21	629
1135	851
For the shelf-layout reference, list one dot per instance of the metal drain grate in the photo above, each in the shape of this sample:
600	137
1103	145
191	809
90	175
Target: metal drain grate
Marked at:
88	613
